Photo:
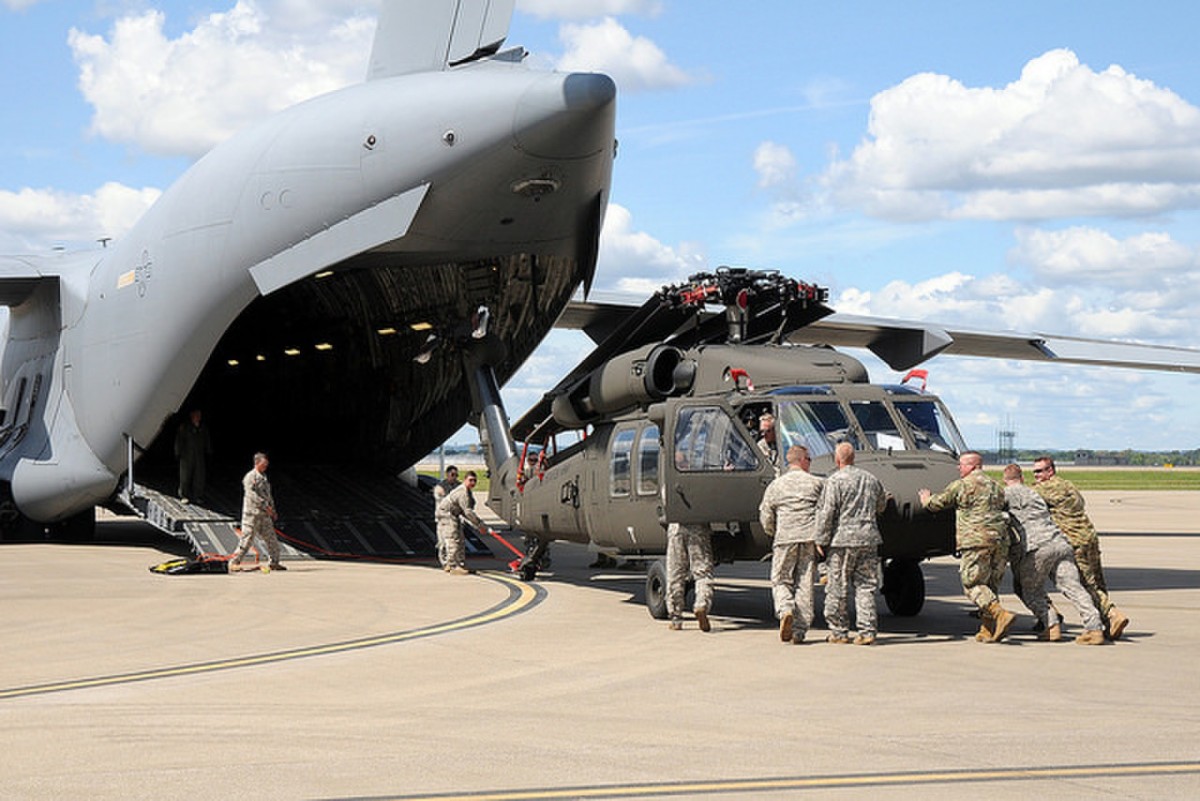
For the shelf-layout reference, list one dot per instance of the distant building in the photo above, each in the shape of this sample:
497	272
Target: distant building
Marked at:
1093	459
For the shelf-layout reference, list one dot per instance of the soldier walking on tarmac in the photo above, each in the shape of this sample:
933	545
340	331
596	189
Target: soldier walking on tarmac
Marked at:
851	500
982	540
258	516
788	514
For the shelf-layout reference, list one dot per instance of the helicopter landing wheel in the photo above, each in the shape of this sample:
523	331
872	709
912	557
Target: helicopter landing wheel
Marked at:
656	589
903	587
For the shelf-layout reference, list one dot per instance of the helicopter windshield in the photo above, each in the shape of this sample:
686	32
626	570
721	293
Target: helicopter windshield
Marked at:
878	425
706	439
817	425
932	427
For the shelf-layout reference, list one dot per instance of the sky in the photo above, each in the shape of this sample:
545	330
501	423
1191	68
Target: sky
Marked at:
1023	166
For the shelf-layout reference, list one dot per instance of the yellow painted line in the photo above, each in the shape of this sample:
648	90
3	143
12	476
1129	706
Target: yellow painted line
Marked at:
522	597
125	279
819	782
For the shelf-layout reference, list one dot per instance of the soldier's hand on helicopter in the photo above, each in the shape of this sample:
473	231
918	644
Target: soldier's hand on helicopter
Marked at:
924	494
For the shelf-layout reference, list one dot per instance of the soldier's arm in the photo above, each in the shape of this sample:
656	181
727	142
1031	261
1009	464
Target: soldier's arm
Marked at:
946	499
766	511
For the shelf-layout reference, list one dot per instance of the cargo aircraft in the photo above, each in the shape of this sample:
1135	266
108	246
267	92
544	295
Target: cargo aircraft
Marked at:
287	280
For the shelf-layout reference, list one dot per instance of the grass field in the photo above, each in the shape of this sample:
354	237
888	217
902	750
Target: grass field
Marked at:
1117	478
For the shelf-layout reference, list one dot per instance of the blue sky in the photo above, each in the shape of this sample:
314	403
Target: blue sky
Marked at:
1029	166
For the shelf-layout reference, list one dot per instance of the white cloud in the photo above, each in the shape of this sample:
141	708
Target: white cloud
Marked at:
634	261
1062	140
579	9
1085	282
1089	254
184	95
635	63
774	164
35	219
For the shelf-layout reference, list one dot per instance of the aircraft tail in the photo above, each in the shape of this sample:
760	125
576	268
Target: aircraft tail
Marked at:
431	35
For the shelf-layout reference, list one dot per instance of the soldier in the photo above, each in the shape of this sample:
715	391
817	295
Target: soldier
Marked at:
459	503
788	513
851	500
982	540
440	491
258	516
1044	553
767	442
689	549
193	446
1067	509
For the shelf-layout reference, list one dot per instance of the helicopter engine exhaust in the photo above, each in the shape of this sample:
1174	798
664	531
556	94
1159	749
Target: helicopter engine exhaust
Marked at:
637	378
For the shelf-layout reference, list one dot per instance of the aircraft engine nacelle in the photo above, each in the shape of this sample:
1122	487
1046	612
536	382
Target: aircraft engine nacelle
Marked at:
637	378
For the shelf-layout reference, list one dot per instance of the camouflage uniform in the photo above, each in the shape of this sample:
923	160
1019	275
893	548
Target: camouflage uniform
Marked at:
256	518
1044	553
981	533
1067	509
459	503
851	500
689	549
788	514
440	491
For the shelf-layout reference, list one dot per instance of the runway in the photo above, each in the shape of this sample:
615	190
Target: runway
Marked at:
338	681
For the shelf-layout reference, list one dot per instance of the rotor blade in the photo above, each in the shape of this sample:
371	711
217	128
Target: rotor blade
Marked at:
903	344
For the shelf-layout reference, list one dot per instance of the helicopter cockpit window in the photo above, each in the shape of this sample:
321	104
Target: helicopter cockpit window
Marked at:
708	439
817	425
619	480
647	461
932	427
878	425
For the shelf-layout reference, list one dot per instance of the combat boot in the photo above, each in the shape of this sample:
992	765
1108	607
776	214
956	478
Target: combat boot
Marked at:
676	624
1002	620
785	626
1053	634
837	639
702	619
1116	623
1093	637
864	639
986	625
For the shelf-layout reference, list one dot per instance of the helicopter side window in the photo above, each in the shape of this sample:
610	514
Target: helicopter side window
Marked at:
818	426
932	427
878	425
619	480
647	461
707	439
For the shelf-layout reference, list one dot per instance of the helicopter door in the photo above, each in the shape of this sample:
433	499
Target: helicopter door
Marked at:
714	474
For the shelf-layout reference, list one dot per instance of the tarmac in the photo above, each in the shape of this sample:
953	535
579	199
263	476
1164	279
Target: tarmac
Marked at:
354	680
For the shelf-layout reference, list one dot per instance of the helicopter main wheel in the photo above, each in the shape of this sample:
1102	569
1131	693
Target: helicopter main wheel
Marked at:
656	589
903	587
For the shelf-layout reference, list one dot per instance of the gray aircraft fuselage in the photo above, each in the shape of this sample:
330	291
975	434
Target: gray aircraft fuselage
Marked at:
342	222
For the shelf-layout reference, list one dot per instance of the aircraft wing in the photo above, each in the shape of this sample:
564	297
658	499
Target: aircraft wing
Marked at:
903	344
431	35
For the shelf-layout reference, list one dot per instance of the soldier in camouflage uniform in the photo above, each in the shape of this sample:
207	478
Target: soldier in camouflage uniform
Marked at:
788	513
1044	553
440	491
689	550
851	500
459	503
982	540
1067	509
258	516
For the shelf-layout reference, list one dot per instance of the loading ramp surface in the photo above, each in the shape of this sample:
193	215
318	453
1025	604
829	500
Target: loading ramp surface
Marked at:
329	512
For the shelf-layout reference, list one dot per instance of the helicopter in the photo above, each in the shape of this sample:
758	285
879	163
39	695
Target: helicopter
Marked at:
664	415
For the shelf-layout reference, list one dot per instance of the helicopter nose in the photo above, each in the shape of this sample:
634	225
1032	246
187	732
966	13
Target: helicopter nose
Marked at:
566	116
